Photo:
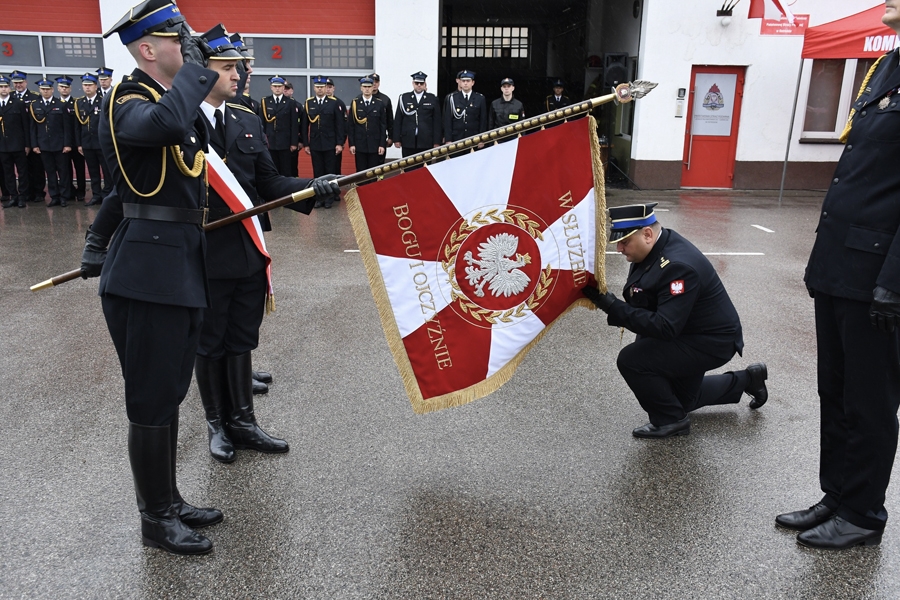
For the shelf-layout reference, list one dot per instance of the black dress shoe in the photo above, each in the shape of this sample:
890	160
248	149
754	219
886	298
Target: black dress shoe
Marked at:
259	387
756	388
7	202
262	376
94	201
63	203
805	519
21	202
838	534
318	204
53	203
682	427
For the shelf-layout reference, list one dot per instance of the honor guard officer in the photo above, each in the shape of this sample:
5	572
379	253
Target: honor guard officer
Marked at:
557	100
685	323
853	275
153	282
87	138
237	261
15	144
323	131
280	116
64	88
52	137
367	127
506	110
417	123
295	154
104	79
467	111
36	178
376	84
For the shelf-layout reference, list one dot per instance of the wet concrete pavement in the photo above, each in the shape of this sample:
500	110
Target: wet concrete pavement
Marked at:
537	491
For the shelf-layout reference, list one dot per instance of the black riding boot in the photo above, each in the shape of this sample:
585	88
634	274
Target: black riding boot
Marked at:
191	516
241	426
211	382
149	451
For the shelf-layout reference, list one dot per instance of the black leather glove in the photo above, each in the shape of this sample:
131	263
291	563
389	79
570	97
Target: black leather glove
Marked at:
326	187
94	254
602	301
885	309
192	48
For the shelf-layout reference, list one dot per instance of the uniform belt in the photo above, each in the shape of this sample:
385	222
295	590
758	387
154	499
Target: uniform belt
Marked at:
154	212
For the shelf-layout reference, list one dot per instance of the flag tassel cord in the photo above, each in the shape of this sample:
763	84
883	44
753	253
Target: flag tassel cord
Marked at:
622	94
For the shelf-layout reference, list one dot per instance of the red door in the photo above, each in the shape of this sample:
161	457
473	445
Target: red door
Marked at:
710	139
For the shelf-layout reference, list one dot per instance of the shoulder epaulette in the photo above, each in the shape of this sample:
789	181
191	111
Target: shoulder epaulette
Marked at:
240	107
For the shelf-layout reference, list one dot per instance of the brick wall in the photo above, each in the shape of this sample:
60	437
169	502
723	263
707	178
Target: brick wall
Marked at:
347	17
53	16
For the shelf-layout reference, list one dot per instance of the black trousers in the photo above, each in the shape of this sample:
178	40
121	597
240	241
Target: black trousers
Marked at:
669	378
231	323
282	160
36	178
94	161
156	344
322	162
295	163
859	394
77	162
367	160
58	167
10	162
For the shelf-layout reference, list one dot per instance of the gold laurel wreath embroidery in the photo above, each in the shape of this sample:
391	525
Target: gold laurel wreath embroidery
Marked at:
451	250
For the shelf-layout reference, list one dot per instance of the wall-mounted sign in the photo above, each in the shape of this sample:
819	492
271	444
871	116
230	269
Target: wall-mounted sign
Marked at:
783	26
713	104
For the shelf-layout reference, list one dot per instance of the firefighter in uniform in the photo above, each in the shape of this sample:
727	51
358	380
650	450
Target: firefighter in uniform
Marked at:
15	144
557	100
153	282
279	114
237	266
417	123
376	83
64	88
87	138
104	78
338	163
467	111
685	323
36	178
853	275
506	110
367	127
323	132
52	137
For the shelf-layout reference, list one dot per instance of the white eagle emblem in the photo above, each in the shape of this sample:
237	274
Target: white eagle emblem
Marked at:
677	287
496	268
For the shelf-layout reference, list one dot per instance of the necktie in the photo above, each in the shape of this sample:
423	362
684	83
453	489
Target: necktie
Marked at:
466	97
220	129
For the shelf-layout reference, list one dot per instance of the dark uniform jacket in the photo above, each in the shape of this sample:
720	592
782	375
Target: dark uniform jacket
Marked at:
280	122
15	126
551	103
246	100
51	125
323	127
389	107
505	113
157	159
463	119
231	253
417	124
857	244
675	293
87	122
367	125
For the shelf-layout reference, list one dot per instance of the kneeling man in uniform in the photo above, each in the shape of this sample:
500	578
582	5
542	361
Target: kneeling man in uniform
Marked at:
685	323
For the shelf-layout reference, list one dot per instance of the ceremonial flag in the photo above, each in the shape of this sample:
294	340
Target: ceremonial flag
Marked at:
765	9
472	259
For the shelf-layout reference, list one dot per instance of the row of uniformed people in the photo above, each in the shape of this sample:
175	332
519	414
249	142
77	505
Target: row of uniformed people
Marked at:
59	132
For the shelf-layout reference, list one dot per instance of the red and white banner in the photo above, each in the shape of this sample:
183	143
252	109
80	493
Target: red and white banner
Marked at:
472	259
223	181
770	9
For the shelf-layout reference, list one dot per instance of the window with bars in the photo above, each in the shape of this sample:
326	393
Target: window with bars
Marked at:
484	42
342	53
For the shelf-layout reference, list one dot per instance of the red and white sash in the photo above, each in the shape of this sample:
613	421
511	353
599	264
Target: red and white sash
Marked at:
226	185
